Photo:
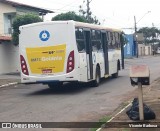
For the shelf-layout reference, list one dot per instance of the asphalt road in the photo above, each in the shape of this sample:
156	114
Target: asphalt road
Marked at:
37	103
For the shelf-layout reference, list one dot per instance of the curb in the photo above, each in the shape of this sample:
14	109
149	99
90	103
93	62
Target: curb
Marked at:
129	104
9	84
117	114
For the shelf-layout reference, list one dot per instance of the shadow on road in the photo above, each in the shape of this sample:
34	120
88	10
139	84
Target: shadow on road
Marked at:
67	89
70	88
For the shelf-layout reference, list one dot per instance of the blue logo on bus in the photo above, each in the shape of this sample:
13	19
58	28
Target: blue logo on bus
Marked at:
44	35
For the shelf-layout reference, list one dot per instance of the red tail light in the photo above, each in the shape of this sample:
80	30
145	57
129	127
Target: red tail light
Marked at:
23	65
70	62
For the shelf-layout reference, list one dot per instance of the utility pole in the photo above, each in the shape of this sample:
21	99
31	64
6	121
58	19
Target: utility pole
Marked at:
153	47
135	27
88	9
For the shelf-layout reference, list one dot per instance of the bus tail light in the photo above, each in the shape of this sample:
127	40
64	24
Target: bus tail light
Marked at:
24	65
70	62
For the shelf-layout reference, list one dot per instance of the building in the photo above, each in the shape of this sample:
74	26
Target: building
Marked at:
144	50
141	49
9	55
130	47
148	50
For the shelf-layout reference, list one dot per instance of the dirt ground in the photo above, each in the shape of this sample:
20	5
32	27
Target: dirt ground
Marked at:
151	96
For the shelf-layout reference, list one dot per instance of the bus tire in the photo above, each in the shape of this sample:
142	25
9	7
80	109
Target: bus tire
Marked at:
55	85
97	77
115	75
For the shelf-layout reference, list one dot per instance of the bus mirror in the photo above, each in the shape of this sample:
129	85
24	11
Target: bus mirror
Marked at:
139	73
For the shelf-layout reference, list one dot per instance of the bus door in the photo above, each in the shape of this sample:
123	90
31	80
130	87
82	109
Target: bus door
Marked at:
105	50
89	54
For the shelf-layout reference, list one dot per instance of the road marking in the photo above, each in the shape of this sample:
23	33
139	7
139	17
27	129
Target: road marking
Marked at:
9	84
117	114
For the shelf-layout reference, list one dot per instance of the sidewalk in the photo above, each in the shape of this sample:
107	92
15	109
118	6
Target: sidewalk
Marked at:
9	78
151	96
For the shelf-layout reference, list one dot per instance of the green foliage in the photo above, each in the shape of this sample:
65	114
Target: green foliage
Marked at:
88	15
101	122
22	20
69	16
105	119
151	35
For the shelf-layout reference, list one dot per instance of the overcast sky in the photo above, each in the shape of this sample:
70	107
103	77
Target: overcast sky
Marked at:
112	13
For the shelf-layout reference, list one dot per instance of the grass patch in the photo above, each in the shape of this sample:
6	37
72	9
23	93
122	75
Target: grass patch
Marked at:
124	104
104	119
101	121
120	107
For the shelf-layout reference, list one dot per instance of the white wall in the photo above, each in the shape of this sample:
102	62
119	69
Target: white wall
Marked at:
9	58
148	50
5	8
144	50
141	49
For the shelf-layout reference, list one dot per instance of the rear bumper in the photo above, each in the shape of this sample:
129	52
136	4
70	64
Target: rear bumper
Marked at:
45	79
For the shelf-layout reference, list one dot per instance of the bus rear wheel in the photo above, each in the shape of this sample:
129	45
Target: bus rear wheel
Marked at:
115	75
97	77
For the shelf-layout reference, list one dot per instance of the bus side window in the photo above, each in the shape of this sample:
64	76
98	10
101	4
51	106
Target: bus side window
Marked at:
99	42
113	41
109	40
117	40
93	37
96	40
80	40
107	36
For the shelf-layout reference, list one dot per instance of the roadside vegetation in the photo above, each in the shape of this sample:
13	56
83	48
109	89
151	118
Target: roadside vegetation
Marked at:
151	35
22	20
101	121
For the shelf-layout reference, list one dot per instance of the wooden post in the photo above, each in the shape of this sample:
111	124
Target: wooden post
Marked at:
140	98
139	75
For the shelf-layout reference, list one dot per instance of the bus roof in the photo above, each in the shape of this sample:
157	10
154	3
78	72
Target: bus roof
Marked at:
93	26
77	24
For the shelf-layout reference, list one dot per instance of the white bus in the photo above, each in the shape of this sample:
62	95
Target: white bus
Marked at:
67	51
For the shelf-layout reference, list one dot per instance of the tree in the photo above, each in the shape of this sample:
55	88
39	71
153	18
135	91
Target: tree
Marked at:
150	34
69	16
22	20
88	13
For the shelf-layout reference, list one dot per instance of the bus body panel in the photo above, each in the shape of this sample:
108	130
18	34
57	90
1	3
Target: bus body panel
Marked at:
98	60
114	56
83	67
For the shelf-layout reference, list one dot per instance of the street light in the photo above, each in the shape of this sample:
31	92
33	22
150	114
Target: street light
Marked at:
135	27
